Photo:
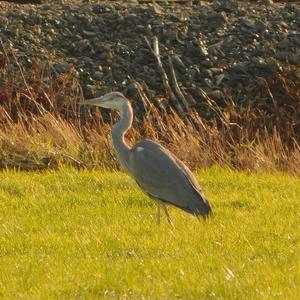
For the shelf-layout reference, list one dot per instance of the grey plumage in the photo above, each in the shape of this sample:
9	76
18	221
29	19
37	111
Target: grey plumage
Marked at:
156	170
165	177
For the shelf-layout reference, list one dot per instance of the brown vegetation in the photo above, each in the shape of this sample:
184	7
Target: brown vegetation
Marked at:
41	125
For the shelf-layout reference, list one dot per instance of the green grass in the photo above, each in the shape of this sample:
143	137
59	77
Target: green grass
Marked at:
93	235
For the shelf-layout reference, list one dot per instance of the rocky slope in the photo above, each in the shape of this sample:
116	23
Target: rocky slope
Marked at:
218	48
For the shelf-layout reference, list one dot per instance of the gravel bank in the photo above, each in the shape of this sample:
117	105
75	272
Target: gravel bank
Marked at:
217	47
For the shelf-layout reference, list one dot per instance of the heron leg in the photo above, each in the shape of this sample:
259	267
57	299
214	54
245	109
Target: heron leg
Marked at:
158	213
168	215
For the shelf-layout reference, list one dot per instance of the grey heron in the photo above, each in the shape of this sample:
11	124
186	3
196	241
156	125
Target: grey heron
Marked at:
156	170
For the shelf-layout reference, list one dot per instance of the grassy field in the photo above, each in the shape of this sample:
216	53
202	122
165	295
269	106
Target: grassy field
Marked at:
93	235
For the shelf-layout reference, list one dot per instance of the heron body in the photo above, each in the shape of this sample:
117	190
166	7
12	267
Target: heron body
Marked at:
155	169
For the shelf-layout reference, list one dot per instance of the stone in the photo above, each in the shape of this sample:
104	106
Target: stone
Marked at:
267	2
219	79
216	94
226	5
208	82
217	19
98	75
259	26
294	59
61	67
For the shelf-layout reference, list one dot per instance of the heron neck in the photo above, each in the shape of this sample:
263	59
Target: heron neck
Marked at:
118	132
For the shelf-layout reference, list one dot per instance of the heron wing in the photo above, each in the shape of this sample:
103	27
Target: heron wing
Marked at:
162	175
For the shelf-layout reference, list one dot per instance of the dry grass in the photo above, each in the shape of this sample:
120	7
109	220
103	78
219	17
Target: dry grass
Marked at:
42	125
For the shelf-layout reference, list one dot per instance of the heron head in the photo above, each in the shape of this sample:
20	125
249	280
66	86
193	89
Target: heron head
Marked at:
113	100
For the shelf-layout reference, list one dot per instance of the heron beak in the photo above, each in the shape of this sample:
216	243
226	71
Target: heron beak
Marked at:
100	101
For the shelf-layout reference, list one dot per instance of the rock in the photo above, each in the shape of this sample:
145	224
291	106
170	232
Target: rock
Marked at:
170	35
246	22
85	76
240	67
283	44
219	79
258	61
216	95
294	59
269	66
216	70
259	26
27	1
61	67
226	5
216	47
207	63
99	8
88	34
267	2
98	75
208	82
282	55
154	8
87	61
197	50
83	45
208	73
217	19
